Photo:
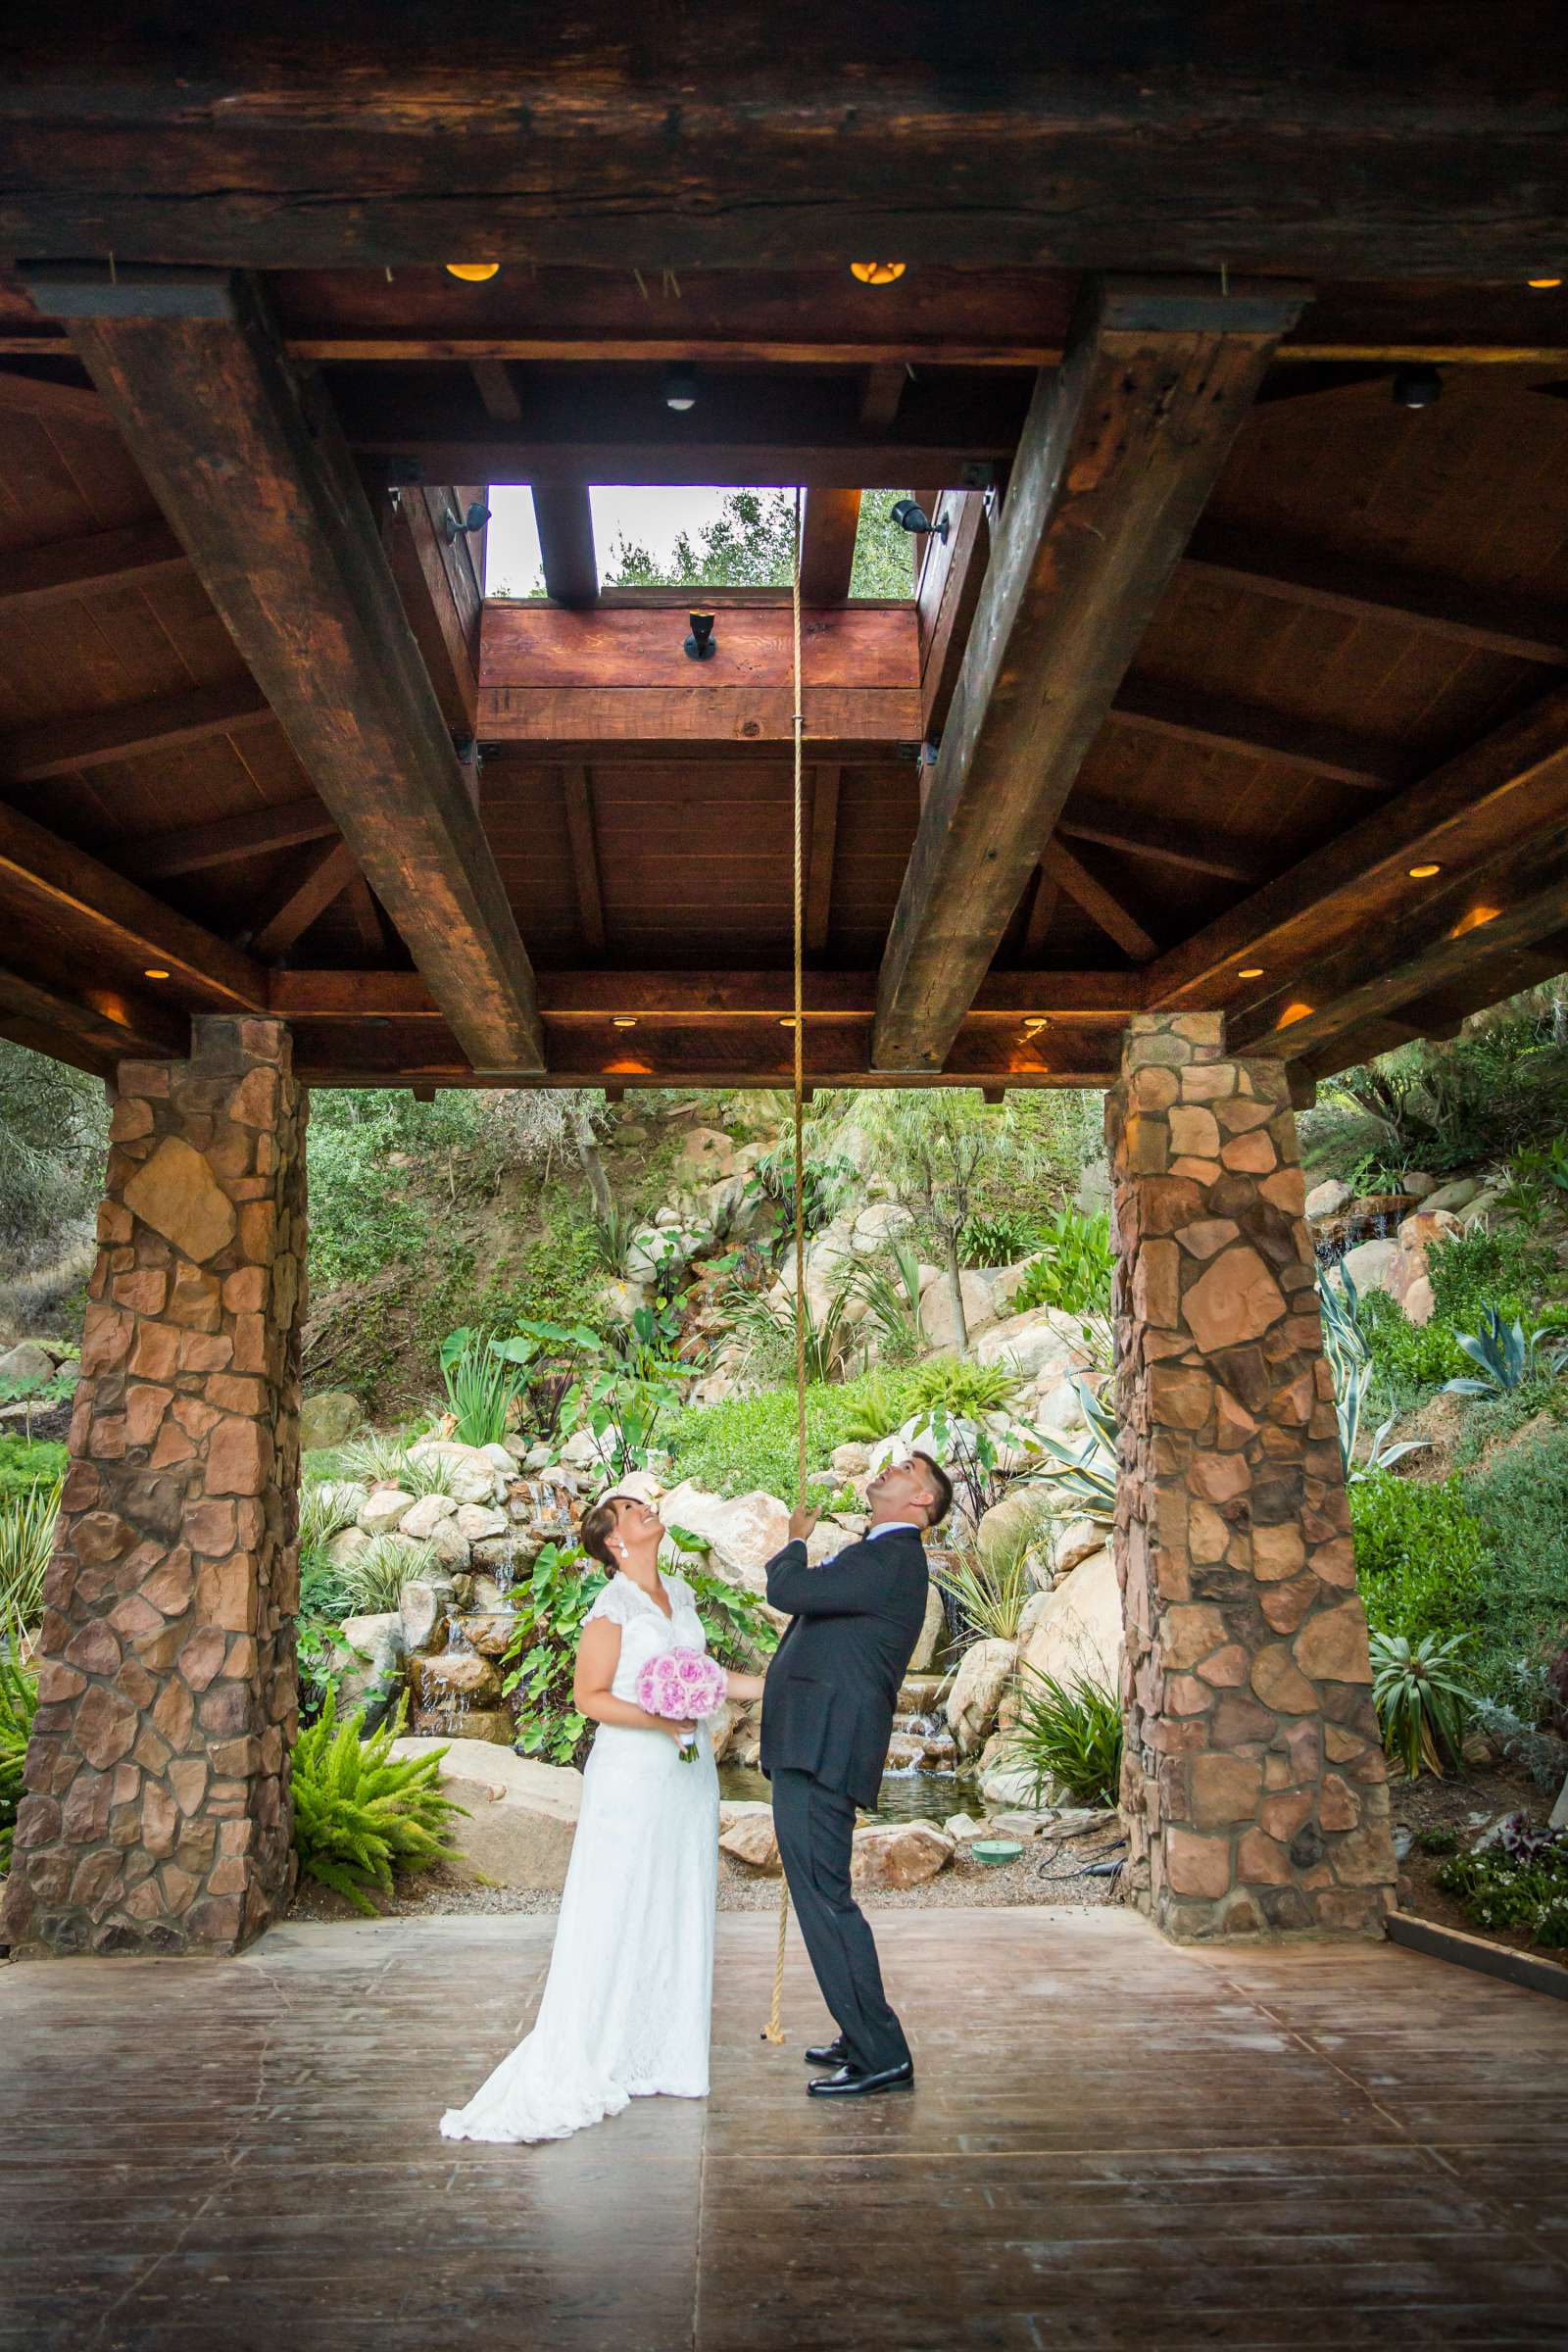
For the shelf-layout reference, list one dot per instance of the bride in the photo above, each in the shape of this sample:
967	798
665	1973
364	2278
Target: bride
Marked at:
626	2006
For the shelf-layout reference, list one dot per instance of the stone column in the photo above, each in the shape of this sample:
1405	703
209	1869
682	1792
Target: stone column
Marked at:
1253	1780
158	1816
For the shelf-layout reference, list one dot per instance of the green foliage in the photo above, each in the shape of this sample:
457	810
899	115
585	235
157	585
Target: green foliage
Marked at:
1521	1881
878	1408
1477	1269
612	1229
19	1703
1422	1698
481	1387
1072	1737
1506	1356
1420	1555
991	1588
1345	1345
748	1442
1444	1107
377	1458
1520	1500
374	1578
931	1147
1083	1478
27	1463
561	1589
1407	1357
325	1657
58	1389
738	1633
361	1816
27	1526
971	1390
54	1133
827	1178
1074	1268
374	1157
996	1240
751	543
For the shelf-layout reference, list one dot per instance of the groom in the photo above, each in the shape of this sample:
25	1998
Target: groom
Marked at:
827	1714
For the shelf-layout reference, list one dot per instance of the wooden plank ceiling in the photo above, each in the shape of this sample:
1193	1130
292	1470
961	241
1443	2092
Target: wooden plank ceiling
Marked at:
1223	645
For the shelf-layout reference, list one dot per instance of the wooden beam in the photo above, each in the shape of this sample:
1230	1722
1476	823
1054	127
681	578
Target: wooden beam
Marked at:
1185	714
1441	933
366	917
1515	780
1092	137
311	880
60	746
493	380
828	528
1362	589
103	915
65	571
1188	847
1043	901
108	1022
440	597
820	853
945	598
578	791
566	523
226	840
1102	905
48	399
883	389
1120	452
297	575
1006	999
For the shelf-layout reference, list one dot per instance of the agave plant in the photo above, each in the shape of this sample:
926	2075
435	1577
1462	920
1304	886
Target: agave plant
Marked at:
1086	1475
1349	1361
362	1814
1506	1356
1422	1701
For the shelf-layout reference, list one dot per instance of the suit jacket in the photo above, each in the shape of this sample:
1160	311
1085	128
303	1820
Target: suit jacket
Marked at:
833	1684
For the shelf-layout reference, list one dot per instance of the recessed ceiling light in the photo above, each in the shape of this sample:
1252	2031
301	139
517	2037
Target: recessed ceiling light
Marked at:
473	274
1424	874
878	273
1251	971
154	972
624	1020
1538	282
1035	1022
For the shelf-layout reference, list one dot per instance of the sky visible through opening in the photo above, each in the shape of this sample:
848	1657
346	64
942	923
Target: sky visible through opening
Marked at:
649	518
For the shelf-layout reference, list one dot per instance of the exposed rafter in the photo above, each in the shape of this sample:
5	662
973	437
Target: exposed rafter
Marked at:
104	562
314	877
227	839
1070	875
577	787
821	851
828	528
204	403
566	550
1117	458
1218	723
100	737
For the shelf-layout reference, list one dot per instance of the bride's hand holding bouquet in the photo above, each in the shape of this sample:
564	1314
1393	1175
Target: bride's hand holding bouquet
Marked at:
680	1687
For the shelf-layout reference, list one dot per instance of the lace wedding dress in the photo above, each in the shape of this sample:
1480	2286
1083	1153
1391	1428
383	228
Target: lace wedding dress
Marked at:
626	2006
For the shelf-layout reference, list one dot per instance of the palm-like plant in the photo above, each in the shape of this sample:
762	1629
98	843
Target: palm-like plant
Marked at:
1422	1701
1070	1737
1506	1356
360	1814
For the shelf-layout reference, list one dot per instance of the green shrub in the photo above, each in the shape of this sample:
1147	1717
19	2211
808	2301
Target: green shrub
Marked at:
961	1387
1420	1555
1074	1268
561	1589
991	1588
361	1815
374	1578
367	1211
1521	1504
1423	1699
19	1703
1522	1881
28	1463
27	1526
996	1240
1476	1269
481	1387
748	1442
1070	1737
1408	1356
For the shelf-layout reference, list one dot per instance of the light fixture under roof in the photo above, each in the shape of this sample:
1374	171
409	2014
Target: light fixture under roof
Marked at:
1251	971
154	972
473	274
1424	874
1540	284
878	273
624	1020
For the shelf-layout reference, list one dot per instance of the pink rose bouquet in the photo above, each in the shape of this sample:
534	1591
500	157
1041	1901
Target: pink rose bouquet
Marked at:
681	1686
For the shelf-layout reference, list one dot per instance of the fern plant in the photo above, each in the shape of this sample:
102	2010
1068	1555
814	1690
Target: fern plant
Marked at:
970	1389
1073	1270
19	1703
876	1411
363	1815
1422	1700
1072	1737
27	1524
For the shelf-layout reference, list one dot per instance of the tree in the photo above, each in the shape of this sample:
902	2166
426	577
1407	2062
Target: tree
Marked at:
932	1149
751	543
54	1140
540	1121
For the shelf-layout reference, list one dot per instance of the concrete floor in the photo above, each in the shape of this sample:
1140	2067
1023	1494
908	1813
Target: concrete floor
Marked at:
1114	2143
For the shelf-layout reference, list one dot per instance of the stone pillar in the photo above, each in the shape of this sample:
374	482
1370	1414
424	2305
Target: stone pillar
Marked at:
1254	1779
158	1816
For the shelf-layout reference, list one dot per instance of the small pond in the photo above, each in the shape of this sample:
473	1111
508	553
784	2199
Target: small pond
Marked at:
904	1795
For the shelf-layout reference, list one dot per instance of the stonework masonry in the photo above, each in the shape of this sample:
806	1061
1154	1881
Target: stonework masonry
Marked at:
158	1816
1253	1778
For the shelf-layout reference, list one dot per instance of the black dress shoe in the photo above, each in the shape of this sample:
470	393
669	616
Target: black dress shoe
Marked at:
848	2083
829	2054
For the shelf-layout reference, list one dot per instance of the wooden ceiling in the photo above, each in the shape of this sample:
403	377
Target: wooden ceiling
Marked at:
1223	640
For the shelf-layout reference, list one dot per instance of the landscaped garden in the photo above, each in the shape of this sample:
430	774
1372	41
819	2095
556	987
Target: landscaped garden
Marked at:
518	1301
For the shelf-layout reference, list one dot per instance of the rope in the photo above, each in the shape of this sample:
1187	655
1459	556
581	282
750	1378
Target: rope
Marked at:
773	2031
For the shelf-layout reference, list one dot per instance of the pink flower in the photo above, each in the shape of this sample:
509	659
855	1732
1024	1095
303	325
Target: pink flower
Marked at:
680	1685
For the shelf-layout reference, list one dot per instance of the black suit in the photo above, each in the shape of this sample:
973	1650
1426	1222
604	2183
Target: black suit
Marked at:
827	1715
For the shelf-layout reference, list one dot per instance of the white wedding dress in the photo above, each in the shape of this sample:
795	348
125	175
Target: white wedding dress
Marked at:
626	2006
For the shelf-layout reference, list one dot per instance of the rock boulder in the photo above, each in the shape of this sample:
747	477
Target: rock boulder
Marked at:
522	1815
984	1672
894	1854
1076	1636
329	1419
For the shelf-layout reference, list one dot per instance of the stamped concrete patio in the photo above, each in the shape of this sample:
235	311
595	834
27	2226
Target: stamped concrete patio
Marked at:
1114	2143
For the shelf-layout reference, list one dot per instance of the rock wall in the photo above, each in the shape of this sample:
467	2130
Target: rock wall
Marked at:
1254	1779
157	1815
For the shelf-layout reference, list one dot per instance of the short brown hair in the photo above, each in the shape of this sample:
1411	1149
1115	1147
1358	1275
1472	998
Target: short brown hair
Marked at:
944	1488
597	1525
